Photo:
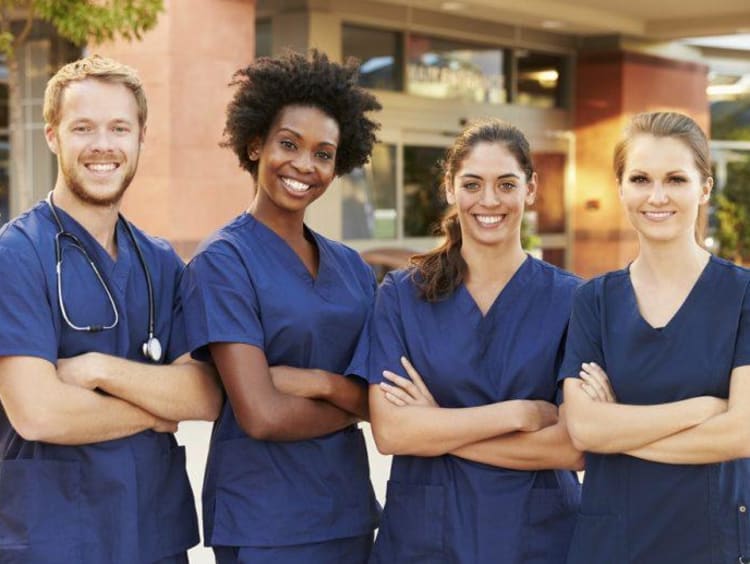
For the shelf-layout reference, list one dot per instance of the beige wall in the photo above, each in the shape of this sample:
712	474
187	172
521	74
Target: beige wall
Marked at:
187	185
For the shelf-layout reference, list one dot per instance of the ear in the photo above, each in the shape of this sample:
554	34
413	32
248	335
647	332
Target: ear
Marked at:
531	187
706	190
253	150
450	194
50	135
142	135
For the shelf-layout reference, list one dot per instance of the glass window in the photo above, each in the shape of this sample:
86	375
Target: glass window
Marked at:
368	197
443	68
380	54
540	79
263	38
424	201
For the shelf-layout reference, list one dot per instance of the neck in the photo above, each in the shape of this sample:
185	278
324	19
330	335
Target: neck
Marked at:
288	226
99	221
670	260
492	262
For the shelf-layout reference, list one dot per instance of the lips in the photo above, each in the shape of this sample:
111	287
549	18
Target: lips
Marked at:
658	215
489	220
295	185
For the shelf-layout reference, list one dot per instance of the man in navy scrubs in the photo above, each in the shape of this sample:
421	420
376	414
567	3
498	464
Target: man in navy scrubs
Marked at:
93	371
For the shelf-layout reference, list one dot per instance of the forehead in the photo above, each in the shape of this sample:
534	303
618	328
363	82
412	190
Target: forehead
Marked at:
309	121
98	100
492	159
648	152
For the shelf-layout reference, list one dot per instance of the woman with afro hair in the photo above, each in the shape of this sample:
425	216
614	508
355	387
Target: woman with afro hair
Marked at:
280	309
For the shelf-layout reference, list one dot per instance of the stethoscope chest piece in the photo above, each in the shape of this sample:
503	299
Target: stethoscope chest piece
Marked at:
152	349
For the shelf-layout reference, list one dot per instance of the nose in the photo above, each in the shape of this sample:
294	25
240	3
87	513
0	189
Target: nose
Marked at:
102	141
489	197
303	162
658	194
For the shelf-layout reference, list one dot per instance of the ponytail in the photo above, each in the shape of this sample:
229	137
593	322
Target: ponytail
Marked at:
439	272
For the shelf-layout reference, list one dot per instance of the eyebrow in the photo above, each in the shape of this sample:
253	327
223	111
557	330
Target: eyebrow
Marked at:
298	135
501	177
676	171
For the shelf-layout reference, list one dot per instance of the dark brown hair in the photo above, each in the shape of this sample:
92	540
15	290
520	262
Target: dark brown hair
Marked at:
439	272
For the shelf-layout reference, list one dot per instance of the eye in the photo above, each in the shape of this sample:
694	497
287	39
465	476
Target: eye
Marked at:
324	155
677	179
471	185
121	129
507	186
287	144
638	179
81	128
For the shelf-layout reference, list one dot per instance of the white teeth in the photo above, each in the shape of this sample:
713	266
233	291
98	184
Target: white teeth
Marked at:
295	185
489	219
658	215
101	167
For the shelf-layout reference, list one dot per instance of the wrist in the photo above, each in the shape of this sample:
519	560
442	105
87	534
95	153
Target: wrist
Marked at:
327	384
520	415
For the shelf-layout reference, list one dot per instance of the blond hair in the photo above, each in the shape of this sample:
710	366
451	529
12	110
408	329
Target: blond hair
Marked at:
665	124
96	67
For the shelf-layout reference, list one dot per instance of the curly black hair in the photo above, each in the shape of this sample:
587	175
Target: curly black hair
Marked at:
269	84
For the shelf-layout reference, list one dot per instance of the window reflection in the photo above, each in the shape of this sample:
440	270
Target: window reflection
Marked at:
380	54
424	202
368	197
540	79
443	68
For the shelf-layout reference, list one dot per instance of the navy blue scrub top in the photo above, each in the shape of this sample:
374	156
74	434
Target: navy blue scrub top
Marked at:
123	501
246	285
447	509
638	512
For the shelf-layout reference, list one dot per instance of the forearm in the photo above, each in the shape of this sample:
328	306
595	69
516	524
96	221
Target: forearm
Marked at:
434	431
723	437
548	448
77	416
603	427
180	391
345	393
289	418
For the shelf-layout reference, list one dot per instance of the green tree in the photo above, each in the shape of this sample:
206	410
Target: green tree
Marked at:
79	21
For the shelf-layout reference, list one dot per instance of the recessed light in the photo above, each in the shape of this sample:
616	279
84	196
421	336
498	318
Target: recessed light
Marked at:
452	6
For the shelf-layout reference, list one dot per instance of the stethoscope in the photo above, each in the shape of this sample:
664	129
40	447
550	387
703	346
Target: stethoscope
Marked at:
151	348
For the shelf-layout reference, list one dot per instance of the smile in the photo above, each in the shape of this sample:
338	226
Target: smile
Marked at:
658	215
102	167
489	220
295	185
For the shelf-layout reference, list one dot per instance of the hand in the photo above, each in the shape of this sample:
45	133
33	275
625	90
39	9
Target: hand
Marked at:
540	414
81	370
164	425
302	383
596	384
402	391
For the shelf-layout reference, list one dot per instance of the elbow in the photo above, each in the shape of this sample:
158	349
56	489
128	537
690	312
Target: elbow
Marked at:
35	427
211	407
260	425
386	443
583	436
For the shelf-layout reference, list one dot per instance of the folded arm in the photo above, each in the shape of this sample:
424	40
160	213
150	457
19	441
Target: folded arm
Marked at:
548	448
725	436
41	407
604	426
407	420
349	394
183	390
264	412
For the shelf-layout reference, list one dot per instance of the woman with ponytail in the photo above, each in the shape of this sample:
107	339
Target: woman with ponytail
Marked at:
465	348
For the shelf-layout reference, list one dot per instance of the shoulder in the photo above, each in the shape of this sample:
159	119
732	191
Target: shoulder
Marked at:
23	238
346	257
728	270
158	249
228	239
597	289
554	276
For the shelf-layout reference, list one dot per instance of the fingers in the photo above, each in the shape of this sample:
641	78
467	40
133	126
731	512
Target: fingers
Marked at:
596	384
404	383
397	396
416	378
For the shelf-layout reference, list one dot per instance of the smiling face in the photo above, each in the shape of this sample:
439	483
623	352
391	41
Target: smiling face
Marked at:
297	160
490	191
97	141
662	188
